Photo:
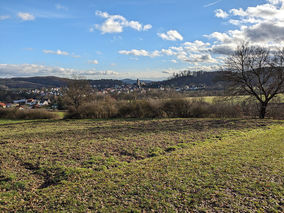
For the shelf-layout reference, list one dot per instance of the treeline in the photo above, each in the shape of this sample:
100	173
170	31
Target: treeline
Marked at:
181	79
171	108
107	108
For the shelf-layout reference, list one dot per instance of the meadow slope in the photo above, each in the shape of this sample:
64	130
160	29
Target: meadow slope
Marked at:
142	165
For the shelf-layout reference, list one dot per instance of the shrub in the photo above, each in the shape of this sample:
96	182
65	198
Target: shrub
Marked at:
223	108
27	114
140	109
97	109
177	108
275	110
200	109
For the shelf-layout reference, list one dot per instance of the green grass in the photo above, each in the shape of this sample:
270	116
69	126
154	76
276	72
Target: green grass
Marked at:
60	114
163	165
210	99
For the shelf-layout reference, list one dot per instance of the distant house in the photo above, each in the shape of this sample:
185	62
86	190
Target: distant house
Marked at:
2	105
44	103
21	102
19	107
10	105
31	101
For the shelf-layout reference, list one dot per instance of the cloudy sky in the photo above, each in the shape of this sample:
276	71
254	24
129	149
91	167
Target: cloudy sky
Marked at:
147	39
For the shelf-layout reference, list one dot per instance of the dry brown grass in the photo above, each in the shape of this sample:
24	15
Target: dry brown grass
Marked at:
27	114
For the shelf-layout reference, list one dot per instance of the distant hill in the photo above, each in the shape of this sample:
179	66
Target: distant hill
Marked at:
105	83
33	82
50	81
187	78
131	81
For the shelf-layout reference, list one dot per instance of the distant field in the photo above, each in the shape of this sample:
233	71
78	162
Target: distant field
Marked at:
163	165
210	99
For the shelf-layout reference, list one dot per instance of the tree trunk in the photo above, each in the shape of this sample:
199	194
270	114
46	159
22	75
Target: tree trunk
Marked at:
262	110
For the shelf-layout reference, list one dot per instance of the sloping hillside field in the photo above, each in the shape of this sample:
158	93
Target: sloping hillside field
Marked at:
165	165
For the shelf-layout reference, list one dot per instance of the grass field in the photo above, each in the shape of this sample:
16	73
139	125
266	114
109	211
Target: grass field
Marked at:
210	99
163	165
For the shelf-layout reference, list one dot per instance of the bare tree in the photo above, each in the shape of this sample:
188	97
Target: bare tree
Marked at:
78	91
257	72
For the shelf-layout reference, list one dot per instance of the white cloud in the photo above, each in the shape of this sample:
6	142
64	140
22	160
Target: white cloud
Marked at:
116	24
206	68
60	7
2	18
102	14
196	46
93	62
168	52
147	27
264	11
192	52
275	1
28	70
170	71
24	70
221	14
222	37
171	35
260	25
102	73
26	16
196	58
57	52
174	61
140	53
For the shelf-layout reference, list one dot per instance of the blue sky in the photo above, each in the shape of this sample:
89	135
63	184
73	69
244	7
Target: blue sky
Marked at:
147	39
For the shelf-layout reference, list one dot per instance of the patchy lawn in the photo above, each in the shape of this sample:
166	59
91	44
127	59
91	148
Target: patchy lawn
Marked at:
134	165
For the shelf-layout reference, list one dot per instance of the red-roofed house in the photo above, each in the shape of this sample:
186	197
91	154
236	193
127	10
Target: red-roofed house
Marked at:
2	105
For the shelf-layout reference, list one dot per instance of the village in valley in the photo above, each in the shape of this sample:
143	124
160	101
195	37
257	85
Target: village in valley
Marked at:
46	97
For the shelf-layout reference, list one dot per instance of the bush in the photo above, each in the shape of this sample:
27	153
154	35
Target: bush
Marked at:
276	110
222	108
140	109
200	109
27	114
176	108
98	110
106	108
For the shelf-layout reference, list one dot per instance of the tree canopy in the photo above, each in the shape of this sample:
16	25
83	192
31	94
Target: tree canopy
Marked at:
256	71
